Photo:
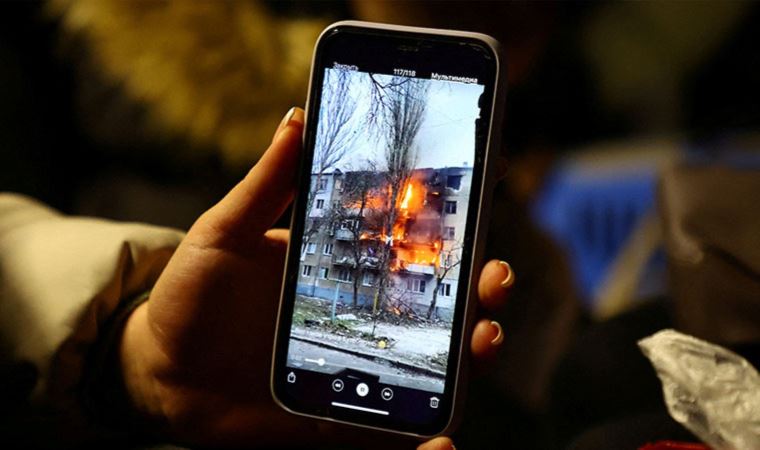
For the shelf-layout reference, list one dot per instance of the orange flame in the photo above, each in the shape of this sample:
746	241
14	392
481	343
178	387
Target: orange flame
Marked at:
407	197
407	249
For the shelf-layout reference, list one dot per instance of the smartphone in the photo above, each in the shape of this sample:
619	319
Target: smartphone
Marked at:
388	227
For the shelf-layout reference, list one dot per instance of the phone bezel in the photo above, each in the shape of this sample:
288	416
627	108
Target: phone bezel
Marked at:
476	222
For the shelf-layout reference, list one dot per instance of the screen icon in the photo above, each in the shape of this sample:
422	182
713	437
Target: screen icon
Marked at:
387	394
434	402
291	377
337	385
362	389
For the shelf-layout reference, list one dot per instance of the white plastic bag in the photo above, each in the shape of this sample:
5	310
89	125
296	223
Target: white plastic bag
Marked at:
712	391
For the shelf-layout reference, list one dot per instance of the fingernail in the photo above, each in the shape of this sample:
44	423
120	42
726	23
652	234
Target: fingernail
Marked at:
289	118
510	278
499	333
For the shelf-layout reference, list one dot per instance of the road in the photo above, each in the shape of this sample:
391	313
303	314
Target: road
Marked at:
335	361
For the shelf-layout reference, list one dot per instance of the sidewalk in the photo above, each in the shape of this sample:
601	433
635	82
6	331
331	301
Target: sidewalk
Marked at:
413	348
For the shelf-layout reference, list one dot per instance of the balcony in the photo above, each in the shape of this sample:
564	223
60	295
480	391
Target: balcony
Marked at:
343	261
421	269
370	262
344	235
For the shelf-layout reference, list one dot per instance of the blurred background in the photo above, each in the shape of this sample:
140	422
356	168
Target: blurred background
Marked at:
150	111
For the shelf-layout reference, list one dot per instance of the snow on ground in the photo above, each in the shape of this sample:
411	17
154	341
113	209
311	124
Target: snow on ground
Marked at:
414	345
427	341
318	359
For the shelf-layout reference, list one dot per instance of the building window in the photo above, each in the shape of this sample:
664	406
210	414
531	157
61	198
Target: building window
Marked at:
368	279
449	233
450	207
446	259
338	184
349	224
444	290
306	270
311	247
327	249
415	285
324	273
454	182
336	204
345	275
322	184
320	203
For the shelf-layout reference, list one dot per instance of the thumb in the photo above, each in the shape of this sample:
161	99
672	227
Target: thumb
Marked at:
254	204
439	443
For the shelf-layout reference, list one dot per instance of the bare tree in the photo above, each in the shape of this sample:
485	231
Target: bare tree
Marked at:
349	214
335	133
379	86
450	258
399	106
336	110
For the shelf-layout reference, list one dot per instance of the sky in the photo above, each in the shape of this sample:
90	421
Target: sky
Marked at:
447	134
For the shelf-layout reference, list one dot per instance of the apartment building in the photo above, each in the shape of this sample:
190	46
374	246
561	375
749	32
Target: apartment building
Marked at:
426	243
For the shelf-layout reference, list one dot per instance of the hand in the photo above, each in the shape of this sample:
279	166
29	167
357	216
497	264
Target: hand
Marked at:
196	356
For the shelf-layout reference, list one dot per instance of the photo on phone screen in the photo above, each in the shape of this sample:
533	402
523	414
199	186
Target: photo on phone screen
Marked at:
384	228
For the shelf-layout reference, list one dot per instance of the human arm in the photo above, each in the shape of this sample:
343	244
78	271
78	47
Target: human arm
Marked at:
196	355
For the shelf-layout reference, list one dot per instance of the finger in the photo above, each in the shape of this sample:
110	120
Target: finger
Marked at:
439	443
277	240
487	337
496	280
252	206
278	236
283	123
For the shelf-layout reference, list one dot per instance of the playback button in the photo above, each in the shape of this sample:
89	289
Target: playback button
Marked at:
386	394
362	389
337	385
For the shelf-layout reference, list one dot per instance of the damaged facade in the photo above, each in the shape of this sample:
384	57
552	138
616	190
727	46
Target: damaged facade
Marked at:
348	232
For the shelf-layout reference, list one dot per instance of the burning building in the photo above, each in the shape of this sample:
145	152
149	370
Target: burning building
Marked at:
357	235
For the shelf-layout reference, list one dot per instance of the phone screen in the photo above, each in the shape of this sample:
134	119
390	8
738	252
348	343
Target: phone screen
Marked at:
380	260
